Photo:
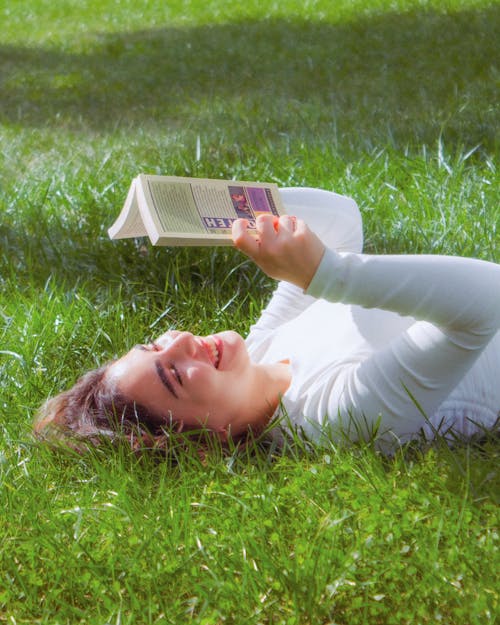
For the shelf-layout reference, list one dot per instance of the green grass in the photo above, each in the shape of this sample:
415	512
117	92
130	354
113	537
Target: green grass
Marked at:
392	102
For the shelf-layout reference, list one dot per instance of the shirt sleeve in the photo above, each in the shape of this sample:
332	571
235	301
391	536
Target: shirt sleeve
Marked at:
337	221
456	302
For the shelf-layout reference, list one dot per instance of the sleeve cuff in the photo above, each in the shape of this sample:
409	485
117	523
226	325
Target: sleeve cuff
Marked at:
328	277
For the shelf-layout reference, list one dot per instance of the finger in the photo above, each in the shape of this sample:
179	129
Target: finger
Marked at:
288	223
242	239
265	226
300	226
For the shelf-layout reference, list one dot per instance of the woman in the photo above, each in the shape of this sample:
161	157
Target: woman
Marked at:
350	345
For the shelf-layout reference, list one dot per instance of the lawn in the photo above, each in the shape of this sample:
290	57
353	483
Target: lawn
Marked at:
393	102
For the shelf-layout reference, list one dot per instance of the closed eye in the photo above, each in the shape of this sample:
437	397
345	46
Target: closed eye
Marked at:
164	378
176	373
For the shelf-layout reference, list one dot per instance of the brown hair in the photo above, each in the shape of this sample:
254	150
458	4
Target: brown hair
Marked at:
92	411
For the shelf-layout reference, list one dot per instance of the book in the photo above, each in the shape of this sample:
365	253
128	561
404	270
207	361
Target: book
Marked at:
176	211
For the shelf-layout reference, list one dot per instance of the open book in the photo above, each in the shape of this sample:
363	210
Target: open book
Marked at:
191	211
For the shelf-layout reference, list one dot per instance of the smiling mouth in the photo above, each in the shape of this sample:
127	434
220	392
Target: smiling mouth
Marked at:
214	349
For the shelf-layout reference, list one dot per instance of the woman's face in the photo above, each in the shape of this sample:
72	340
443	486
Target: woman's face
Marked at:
199	381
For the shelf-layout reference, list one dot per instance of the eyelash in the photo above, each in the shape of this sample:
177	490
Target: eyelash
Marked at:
156	348
176	373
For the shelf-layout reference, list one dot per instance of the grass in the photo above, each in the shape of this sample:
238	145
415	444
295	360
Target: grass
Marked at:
394	103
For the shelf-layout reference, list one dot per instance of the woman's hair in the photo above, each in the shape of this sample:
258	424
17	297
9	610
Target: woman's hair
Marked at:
93	410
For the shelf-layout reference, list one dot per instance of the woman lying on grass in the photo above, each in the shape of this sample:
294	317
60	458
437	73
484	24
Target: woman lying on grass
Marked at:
350	345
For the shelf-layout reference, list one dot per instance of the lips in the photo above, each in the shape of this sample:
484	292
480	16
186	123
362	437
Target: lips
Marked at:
213	347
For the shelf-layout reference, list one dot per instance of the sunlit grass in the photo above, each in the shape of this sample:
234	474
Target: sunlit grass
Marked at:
392	103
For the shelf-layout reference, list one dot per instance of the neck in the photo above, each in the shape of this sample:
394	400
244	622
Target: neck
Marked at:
279	376
275	380
269	383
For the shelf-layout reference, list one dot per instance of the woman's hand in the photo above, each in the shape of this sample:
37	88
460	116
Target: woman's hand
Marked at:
283	248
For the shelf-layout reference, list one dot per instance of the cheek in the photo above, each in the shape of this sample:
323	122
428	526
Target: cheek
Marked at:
201	384
153	398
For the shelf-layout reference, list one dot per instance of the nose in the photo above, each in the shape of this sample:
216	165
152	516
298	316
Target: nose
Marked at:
178	343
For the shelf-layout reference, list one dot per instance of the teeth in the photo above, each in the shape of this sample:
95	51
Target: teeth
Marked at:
214	351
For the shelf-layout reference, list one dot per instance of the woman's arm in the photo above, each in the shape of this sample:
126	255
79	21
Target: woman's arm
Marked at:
461	294
457	301
457	304
455	293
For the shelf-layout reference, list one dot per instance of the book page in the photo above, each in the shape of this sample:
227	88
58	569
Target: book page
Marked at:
129	222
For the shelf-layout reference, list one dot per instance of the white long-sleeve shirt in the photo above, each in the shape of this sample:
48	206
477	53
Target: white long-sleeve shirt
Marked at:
401	343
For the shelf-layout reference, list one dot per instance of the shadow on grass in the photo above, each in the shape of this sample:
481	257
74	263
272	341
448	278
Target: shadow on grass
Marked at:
403	76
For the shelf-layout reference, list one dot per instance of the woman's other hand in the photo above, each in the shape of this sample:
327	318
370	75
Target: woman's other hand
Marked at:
284	248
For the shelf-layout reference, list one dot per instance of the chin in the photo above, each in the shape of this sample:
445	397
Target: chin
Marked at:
234	347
